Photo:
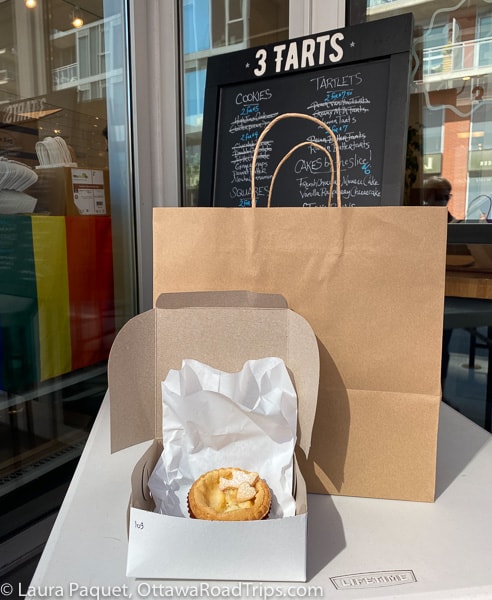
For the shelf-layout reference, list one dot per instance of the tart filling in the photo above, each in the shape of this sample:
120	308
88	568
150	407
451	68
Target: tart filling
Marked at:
229	494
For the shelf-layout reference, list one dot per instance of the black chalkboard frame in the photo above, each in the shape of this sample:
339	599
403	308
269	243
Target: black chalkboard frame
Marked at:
389	39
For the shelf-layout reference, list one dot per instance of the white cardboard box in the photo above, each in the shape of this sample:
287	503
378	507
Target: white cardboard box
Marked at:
224	337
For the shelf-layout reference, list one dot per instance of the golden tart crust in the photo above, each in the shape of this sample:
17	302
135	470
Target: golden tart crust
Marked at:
229	494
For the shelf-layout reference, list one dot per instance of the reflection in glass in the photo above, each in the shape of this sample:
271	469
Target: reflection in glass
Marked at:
450	136
62	255
451	98
211	26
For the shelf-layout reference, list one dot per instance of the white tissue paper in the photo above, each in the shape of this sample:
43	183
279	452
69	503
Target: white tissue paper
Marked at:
214	419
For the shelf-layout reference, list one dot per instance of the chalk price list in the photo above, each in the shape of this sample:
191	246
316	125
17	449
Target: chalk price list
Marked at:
348	102
247	126
344	110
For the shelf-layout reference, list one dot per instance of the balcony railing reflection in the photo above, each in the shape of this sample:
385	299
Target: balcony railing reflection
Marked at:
65	75
372	3
460	56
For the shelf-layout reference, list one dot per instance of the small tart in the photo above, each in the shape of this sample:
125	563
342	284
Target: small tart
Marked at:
229	494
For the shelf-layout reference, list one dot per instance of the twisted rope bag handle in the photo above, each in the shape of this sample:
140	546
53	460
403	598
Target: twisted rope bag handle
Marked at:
309	118
289	154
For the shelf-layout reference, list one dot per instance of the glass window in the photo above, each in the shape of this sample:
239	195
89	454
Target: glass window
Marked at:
484	41
437	51
450	144
67	270
432	130
196	26
211	26
450	94
479	205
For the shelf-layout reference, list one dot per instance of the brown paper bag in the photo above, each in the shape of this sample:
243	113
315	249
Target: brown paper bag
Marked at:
370	281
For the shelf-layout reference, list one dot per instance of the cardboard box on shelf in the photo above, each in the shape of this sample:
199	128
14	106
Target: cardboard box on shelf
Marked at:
224	337
72	191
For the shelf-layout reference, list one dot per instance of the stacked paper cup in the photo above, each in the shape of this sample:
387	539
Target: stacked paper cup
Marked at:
54	152
16	177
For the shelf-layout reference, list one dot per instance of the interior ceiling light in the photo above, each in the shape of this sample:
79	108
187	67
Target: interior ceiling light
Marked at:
31	3
77	20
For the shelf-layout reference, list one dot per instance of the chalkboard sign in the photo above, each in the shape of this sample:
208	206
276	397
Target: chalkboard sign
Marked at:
353	79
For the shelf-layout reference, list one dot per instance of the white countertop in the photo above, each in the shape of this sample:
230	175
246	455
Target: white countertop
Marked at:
441	550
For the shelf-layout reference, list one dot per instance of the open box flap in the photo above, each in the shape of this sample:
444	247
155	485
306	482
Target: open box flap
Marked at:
131	378
151	344
223	298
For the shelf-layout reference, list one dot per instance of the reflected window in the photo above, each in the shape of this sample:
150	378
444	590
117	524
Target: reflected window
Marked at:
450	98
432	140
484	40
209	27
436	54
